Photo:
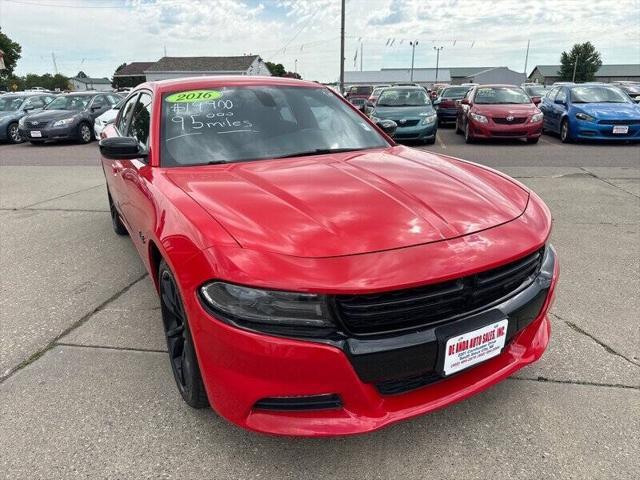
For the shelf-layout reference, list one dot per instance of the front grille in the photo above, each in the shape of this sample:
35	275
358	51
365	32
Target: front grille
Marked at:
371	314
407	123
504	121
619	122
395	387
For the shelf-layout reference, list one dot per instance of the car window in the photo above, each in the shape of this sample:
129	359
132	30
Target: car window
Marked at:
113	99
34	102
141	120
598	94
403	97
234	124
562	96
454	93
70	102
552	94
125	113
98	101
47	98
501	95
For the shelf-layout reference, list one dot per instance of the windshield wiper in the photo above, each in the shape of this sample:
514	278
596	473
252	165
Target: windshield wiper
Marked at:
320	151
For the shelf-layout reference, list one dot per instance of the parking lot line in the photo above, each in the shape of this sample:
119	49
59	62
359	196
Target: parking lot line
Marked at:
440	141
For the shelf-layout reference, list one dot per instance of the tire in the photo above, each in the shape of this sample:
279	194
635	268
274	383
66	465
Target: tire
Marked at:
430	141
13	133
85	133
182	355
565	135
116	221
467	134
533	141
458	129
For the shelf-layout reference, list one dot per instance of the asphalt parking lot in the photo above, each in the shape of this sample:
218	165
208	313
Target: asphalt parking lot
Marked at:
86	389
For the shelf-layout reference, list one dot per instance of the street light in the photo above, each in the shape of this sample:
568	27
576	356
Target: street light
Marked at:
413	44
437	49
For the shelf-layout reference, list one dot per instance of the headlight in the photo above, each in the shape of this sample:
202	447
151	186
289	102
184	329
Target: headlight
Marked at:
429	119
584	116
479	118
22	122
267	306
537	117
63	122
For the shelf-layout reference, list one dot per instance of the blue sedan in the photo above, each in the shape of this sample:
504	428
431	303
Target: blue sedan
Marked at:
591	112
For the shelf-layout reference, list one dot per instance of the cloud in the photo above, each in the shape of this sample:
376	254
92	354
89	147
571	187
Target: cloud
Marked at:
309	30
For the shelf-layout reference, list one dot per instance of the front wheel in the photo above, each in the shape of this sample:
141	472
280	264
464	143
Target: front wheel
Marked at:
565	136
458	129
182	354
84	133
13	133
468	138
116	221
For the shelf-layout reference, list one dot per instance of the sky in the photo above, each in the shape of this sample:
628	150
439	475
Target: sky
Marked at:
96	36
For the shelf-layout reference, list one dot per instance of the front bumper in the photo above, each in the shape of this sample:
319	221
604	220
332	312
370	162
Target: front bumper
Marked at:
49	133
492	130
416	132
598	131
241	368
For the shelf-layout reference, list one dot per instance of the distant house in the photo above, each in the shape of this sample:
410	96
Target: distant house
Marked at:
422	76
548	74
177	67
131	74
82	82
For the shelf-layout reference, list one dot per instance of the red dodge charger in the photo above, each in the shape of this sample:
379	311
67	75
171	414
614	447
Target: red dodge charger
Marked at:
315	278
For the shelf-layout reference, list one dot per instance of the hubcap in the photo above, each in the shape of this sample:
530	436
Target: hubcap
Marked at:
564	130
174	324
14	133
85	133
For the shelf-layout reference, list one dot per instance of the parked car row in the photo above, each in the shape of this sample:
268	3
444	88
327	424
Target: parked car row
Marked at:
39	117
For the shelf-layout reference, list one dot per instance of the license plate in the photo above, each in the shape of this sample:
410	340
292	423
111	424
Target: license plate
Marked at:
468	349
36	133
621	129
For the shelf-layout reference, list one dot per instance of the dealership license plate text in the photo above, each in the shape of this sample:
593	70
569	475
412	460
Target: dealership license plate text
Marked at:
463	351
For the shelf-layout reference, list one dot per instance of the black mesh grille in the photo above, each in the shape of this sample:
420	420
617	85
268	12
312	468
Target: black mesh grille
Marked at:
504	121
619	122
423	306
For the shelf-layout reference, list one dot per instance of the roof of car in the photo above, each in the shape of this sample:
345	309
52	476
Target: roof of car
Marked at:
221	80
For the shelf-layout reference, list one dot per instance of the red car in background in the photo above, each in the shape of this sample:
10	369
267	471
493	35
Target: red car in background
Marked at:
358	95
499	111
315	278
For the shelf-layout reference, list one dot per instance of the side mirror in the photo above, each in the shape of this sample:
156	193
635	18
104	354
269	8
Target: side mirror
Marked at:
465	101
28	108
536	100
558	102
388	126
121	148
436	101
96	107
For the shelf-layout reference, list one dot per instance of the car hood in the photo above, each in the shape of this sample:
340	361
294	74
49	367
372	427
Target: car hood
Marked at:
351	203
398	113
504	110
619	111
108	115
45	116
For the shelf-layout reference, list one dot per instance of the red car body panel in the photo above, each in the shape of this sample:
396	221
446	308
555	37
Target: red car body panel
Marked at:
499	125
351	223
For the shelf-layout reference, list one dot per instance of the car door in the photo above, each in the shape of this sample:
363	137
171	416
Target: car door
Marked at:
98	106
113	168
463	109
559	107
138	207
546	106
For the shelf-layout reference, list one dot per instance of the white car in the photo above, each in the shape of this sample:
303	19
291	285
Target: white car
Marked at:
105	119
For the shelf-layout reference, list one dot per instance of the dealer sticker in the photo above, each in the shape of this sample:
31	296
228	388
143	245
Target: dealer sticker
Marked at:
621	129
470	348
192	96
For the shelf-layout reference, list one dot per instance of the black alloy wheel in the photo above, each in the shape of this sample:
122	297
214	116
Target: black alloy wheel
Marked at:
182	355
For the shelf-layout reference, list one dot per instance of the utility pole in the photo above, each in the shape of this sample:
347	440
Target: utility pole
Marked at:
526	58
55	65
413	44
437	49
295	68
361	55
342	49
575	66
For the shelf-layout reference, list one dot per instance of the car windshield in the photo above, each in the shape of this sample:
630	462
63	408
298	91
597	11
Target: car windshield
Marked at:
501	95
403	97
454	93
10	104
376	91
536	91
598	94
364	90
69	102
235	124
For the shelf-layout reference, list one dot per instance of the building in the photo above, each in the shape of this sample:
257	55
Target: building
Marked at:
548	74
422	76
177	67
131	74
82	82
486	75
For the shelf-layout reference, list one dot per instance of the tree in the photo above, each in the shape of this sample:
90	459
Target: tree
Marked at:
276	69
11	51
114	81
584	58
